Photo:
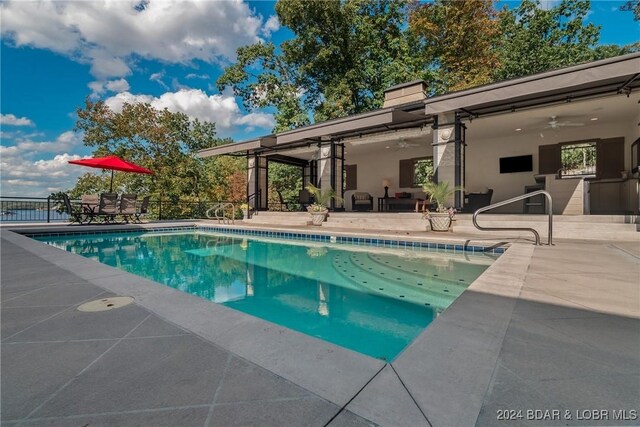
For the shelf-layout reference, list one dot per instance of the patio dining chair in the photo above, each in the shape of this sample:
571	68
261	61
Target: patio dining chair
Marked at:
142	210
108	207
75	213
90	203
128	206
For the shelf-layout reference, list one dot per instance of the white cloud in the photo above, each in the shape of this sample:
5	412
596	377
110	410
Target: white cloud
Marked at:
157	77
37	168
110	34
11	120
36	178
271	26
198	76
100	87
220	108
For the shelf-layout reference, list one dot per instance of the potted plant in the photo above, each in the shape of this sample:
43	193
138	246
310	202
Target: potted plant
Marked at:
440	192
318	209
245	210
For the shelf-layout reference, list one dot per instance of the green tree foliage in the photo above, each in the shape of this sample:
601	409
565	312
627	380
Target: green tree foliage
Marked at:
286	180
535	40
460	38
160	140
344	54
632	6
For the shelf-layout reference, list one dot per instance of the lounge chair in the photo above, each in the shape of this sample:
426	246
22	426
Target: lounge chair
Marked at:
361	201
128	206
108	207
144	206
75	213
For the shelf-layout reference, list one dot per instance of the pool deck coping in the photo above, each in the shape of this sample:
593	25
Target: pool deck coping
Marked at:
330	371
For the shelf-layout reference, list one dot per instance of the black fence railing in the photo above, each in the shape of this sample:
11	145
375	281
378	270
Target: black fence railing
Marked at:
30	209
48	209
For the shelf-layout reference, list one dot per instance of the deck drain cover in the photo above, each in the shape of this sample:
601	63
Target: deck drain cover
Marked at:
105	304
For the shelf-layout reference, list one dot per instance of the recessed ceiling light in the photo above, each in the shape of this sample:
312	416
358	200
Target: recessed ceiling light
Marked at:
518	129
387	146
593	119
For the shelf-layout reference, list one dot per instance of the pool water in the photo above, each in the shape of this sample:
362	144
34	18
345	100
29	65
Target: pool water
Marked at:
374	301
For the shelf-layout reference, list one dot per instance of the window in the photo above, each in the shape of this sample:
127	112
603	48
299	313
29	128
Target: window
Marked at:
603	158
414	172
578	159
422	171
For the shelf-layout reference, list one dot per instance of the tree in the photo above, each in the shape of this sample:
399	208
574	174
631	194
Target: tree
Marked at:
160	140
263	78
342	58
535	40
632	6
460	37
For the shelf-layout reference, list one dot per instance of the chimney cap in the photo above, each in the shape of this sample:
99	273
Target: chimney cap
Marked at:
407	84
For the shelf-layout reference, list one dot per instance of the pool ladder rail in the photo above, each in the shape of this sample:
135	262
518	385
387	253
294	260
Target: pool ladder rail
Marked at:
517	199
220	212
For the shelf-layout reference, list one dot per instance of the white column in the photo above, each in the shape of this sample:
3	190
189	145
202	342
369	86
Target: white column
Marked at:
444	151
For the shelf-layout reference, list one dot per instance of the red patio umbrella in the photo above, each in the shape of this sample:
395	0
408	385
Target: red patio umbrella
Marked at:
111	162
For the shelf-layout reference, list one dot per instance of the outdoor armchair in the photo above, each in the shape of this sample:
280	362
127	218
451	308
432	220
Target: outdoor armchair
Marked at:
128	206
361	201
142	210
108	207
75	212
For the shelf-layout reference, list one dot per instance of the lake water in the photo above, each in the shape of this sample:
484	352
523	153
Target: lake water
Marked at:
31	215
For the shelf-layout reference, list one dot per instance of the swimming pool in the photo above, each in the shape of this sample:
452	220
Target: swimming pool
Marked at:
368	299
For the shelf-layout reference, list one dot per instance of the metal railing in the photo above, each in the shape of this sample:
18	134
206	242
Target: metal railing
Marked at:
225	212
30	209
50	209
517	199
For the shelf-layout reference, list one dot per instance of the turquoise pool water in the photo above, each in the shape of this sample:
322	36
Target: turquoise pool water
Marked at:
374	301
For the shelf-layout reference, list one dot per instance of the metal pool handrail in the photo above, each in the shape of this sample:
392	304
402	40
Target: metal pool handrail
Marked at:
516	199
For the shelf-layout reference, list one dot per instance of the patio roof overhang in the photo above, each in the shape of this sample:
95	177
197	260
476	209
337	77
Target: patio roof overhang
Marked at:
386	119
239	148
620	74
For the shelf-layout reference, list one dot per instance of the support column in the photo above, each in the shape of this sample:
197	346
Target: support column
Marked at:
448	154
257	181
330	169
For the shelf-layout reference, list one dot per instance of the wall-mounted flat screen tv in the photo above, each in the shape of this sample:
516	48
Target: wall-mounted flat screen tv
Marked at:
516	164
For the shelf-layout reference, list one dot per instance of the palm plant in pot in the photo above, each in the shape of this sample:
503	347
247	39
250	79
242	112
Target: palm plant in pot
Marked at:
318	209
440	192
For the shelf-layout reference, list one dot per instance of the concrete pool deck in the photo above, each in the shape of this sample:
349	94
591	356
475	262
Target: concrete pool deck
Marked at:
544	328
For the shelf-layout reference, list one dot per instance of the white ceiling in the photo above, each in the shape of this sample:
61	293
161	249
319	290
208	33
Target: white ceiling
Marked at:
618	109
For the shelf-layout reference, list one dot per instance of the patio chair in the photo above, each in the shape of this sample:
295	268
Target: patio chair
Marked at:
305	199
108	207
142	210
75	213
128	206
361	201
90	203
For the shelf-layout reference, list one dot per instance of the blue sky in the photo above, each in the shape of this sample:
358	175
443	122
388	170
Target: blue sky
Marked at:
54	54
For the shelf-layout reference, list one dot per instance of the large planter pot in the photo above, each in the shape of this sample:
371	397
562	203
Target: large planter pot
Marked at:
317	218
440	221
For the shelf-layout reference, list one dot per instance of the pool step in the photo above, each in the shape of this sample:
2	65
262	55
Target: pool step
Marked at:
392	283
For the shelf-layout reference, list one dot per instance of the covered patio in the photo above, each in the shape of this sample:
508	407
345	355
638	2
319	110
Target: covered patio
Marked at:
496	141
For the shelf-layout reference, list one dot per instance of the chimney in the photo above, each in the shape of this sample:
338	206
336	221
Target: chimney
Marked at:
405	93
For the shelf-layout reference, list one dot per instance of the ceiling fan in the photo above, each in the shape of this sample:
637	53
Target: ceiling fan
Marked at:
554	123
401	144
